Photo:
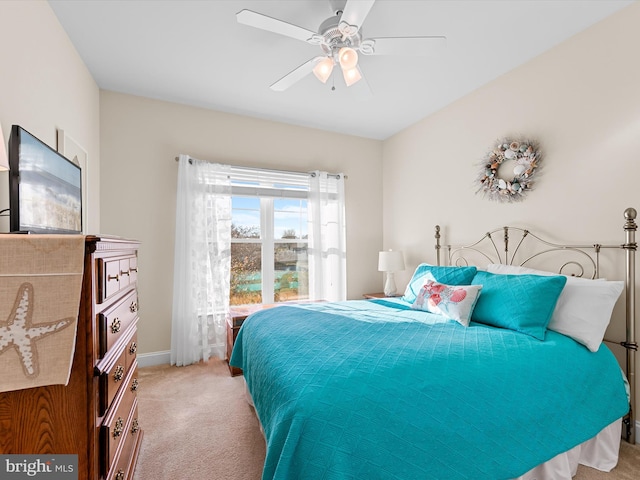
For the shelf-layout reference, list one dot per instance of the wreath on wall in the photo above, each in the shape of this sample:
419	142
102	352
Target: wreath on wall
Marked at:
523	156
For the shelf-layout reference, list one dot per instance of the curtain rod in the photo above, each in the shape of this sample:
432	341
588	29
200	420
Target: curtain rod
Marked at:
313	174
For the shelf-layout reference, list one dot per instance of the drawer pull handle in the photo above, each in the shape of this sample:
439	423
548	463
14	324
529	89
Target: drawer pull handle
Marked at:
133	348
134	269
133	307
119	475
119	427
115	325
126	272
134	385
113	277
134	426
118	374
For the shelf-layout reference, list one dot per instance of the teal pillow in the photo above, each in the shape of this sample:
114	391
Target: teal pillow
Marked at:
523	303
446	275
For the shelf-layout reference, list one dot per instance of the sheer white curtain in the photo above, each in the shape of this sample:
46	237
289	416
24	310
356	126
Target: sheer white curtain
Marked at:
327	238
202	261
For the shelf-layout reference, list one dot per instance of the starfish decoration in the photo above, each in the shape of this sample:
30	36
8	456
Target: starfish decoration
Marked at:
19	332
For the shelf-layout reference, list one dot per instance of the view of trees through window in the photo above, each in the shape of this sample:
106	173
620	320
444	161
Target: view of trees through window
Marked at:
246	266
268	250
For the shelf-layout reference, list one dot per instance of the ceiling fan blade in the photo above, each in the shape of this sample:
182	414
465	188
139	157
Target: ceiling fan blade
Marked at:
296	75
258	20
355	11
406	46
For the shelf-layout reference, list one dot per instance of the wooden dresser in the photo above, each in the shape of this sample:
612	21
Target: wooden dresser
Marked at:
96	415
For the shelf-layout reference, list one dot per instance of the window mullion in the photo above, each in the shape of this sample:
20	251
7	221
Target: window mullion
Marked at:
268	261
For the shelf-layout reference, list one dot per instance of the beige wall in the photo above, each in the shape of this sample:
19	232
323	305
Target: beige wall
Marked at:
140	139
44	86
581	100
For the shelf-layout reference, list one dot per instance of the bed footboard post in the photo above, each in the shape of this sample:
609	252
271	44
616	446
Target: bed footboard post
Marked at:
437	245
630	247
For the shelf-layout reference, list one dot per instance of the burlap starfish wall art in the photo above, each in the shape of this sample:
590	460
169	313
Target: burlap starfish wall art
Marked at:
19	333
40	289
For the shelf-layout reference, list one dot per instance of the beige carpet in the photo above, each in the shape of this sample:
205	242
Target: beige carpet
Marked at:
198	426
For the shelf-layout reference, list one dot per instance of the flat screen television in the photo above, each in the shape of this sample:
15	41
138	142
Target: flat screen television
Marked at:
45	188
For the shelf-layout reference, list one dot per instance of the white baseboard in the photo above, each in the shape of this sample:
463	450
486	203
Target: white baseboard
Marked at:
154	358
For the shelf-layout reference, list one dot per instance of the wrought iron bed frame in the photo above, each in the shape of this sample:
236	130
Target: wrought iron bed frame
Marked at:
589	254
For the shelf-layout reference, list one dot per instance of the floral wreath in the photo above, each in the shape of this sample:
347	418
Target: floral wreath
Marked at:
527	159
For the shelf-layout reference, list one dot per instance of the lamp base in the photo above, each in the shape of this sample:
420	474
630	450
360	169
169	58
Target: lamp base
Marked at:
390	285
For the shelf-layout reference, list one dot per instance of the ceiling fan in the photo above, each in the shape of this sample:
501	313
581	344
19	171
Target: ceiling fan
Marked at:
340	38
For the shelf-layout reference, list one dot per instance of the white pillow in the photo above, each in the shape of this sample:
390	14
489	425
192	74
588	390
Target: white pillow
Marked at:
584	307
455	302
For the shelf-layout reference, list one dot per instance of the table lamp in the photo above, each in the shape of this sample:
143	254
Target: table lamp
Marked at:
389	262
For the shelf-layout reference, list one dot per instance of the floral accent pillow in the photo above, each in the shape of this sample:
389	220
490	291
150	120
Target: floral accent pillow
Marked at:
448	275
455	302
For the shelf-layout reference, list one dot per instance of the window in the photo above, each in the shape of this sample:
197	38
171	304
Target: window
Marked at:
288	242
269	237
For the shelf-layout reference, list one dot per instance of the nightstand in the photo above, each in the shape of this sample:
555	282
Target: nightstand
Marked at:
380	295
235	319
237	316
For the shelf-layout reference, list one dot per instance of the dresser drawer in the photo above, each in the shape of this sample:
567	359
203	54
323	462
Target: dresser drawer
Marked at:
111	381
133	270
121	467
115	274
133	384
113	370
117	423
131	349
114	321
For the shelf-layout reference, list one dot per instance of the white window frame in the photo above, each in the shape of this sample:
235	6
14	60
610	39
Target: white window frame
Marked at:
266	190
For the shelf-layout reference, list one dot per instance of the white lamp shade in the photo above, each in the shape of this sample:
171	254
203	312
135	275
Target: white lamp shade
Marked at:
348	58
323	69
390	261
351	76
4	161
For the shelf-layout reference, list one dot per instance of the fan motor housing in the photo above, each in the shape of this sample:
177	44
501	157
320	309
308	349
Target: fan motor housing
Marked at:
333	37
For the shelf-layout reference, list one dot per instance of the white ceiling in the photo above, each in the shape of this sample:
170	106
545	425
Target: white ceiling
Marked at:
195	53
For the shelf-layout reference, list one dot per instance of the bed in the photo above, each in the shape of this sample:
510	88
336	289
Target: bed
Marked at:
492	383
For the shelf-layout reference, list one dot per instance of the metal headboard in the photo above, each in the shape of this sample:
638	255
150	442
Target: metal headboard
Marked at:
578	260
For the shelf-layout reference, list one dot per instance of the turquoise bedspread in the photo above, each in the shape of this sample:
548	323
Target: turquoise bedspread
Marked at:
373	390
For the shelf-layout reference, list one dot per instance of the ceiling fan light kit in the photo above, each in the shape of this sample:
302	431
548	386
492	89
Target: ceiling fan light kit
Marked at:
348	60
340	38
